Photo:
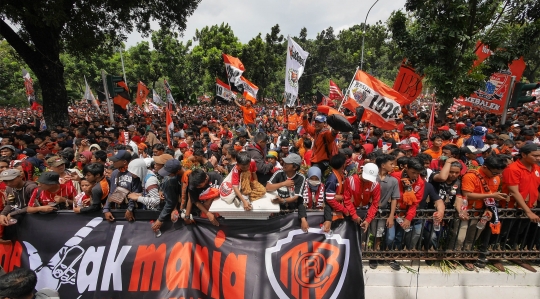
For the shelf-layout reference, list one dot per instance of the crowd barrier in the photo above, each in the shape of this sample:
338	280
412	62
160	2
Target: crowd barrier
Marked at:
457	239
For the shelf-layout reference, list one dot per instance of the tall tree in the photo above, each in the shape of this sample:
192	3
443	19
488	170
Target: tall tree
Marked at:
440	36
44	29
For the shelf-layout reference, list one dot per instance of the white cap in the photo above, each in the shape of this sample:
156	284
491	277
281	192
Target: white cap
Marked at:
370	172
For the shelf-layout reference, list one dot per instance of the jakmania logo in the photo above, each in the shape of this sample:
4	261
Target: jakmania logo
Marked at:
296	56
307	266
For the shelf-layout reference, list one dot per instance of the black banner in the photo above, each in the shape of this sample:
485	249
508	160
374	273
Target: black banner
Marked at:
87	257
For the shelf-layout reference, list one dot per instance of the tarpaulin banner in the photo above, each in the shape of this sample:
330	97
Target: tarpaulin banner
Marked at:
87	257
493	97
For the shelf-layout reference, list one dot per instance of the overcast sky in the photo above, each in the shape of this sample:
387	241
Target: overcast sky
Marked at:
249	18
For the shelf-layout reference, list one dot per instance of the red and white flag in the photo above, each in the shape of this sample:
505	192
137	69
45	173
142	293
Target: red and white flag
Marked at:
335	92
382	104
431	123
29	85
234	67
170	125
224	91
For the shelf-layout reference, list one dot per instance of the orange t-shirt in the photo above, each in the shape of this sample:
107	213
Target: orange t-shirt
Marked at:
516	174
249	115
472	183
434	154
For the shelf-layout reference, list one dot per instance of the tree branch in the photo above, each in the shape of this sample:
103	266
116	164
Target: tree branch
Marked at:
22	48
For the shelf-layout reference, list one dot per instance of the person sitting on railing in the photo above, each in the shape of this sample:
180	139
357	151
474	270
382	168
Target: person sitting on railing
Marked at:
243	164
411	189
480	187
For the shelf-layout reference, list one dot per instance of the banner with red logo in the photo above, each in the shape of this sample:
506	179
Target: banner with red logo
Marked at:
382	104
492	98
408	83
93	258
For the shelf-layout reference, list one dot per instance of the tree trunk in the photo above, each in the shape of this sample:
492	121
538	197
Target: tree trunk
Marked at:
53	89
441	115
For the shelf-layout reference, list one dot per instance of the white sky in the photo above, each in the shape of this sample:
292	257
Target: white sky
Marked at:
249	18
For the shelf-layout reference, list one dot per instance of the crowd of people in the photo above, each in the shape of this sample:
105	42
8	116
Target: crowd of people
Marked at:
467	162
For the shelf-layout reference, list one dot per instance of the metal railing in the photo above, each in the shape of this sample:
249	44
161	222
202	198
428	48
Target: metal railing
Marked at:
457	239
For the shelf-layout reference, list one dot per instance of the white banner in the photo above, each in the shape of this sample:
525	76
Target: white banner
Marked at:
296	61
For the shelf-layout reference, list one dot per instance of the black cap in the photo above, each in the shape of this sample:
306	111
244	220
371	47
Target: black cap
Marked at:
121	155
49	178
284	143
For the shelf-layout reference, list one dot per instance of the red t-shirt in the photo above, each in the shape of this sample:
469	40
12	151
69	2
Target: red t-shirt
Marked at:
66	190
235	179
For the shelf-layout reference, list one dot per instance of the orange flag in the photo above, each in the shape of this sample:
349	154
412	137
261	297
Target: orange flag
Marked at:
382	104
234	67
408	82
142	93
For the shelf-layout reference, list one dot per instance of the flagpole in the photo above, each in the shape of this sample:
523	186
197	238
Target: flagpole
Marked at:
107	96
122	59
347	90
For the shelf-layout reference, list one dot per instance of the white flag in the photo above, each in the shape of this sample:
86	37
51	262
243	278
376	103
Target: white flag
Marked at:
89	96
296	61
156	98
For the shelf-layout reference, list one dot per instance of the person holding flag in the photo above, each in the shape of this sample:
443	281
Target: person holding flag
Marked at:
248	113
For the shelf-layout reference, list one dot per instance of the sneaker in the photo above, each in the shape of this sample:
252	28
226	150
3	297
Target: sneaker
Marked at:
373	264
480	263
394	265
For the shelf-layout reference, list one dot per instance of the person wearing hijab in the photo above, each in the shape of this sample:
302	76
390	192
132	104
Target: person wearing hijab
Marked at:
85	158
150	196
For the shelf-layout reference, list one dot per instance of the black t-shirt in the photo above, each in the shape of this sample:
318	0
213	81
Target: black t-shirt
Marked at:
284	192
390	140
447	191
429	191
214	180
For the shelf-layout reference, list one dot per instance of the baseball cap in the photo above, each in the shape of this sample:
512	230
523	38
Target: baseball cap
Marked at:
171	166
515	125
49	178
11	147
121	155
9	174
370	172
469	149
214	147
161	159
293	159
205	123
320	118
183	145
272	154
504	137
55	161
444	128
43	151
29	152
346	151
405	147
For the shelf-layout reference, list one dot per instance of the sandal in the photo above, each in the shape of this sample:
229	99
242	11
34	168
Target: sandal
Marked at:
394	265
373	264
468	266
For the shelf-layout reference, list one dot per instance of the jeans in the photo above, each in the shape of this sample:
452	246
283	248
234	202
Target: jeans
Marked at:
395	235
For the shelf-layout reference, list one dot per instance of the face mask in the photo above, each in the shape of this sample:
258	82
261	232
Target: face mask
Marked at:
443	158
314	182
